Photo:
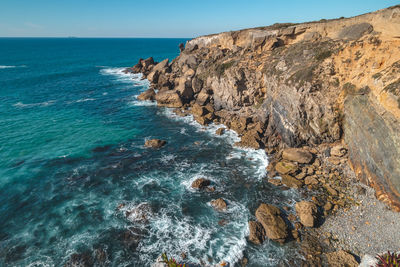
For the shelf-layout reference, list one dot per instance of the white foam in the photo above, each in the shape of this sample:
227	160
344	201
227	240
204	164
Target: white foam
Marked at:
144	103
131	78
42	104
11	67
167	158
85	100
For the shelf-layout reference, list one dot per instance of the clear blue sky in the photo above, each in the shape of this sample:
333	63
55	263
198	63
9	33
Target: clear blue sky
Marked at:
164	18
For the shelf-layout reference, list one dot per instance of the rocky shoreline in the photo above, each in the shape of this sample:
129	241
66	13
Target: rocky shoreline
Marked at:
300	92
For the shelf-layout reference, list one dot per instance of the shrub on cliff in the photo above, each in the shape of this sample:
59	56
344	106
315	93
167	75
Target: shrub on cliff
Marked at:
389	260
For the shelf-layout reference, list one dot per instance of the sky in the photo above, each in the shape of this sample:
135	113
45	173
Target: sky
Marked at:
164	18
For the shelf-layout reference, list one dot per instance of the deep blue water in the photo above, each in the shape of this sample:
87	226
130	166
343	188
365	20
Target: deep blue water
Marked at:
71	150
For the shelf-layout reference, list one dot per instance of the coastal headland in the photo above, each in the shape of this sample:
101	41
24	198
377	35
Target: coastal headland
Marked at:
323	100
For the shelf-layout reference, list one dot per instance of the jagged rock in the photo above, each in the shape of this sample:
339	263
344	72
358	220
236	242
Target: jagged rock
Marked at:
201	183
149	94
197	85
180	112
298	155
250	139
202	98
155	143
202	120
285	167
341	258
169	99
219	204
257	232
275	181
290	181
307	212
310	181
153	76
270	218
146	63
198	110
220	131
162	66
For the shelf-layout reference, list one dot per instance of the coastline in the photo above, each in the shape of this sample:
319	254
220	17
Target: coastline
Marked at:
216	85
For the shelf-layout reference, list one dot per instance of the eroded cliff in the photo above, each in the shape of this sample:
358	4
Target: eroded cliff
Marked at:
295	85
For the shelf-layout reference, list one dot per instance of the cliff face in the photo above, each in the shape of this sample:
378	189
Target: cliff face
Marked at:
294	85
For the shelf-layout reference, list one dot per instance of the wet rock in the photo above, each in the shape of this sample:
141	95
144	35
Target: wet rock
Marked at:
307	212
149	94
270	218
180	112
201	183
202	120
290	181
257	232
155	143
219	204
220	131
140	213
298	155
285	167
341	258
80	260
131	237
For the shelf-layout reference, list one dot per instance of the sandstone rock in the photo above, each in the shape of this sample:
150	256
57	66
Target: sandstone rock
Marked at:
270	218
202	120
298	155
219	204
338	151
307	212
257	232
290	181
275	181
220	131
153	76
149	94
147	62
201	183
250	139
328	206
197	85
169	99
285	167
162	66
155	143
341	258
180	112
198	110
202	98
310	181
330	190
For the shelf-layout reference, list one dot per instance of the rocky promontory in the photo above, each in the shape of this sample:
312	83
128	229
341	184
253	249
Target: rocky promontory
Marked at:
322	98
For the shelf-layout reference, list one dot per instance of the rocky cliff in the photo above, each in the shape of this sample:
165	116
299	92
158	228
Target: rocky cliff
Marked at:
291	85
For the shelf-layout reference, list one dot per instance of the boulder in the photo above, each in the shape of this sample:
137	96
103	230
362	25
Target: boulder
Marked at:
184	88
270	218
198	110
298	155
341	258
149	94
155	143
201	183
250	139
197	85
285	167
275	181
338	151
307	212
219	204
257	232
169	99
290	181
220	131
202	120
140	213
202	98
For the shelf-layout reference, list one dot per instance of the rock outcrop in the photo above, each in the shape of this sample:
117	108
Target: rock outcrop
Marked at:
155	143
290	85
307	212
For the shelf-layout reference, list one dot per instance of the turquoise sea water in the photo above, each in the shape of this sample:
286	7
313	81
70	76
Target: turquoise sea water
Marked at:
71	150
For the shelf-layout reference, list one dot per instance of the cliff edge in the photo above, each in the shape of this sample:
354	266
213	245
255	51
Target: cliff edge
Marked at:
294	85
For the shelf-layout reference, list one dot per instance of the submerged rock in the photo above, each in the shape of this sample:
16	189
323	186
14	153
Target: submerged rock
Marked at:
155	143
270	218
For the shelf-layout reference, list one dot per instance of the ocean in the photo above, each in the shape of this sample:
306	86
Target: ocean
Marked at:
73	164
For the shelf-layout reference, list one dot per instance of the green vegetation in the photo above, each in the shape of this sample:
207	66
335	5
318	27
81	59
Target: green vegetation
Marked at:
323	55
171	262
349	89
389	260
220	69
